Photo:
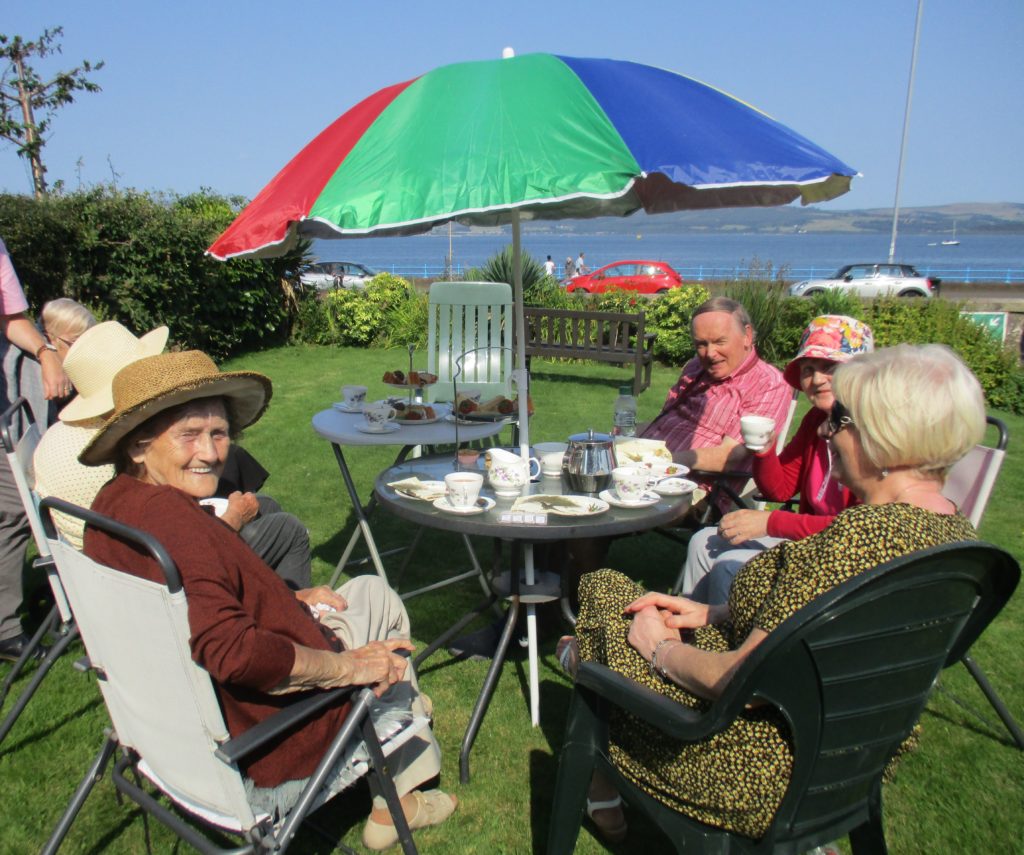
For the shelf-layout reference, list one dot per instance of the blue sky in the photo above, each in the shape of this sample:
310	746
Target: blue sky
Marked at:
223	94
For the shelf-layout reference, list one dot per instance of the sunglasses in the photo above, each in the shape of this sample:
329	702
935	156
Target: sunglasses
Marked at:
53	339
838	418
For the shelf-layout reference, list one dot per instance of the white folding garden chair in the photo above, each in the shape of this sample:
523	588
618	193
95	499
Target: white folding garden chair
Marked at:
166	719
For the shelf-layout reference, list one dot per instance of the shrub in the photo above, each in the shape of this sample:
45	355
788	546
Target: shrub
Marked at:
766	302
499	268
387	312
139	258
669	316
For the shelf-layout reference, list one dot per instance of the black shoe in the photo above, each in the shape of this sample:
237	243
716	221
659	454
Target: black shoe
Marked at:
12	648
479	645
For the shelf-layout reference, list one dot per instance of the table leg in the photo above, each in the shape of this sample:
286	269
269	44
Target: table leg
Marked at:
487	691
363	523
531	639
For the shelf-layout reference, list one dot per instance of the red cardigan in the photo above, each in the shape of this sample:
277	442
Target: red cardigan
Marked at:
244	619
780	477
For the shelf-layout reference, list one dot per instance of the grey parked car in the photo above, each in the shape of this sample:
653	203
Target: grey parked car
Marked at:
325	275
872	280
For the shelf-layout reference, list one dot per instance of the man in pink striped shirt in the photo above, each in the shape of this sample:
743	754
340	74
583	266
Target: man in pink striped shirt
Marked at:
700	420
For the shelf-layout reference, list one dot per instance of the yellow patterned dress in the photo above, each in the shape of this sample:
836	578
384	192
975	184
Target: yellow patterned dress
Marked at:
737	778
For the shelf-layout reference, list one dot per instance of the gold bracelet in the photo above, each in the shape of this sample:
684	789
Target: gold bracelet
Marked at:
656	669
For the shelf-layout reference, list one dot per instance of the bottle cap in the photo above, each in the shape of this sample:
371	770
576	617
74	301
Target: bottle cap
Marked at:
626	390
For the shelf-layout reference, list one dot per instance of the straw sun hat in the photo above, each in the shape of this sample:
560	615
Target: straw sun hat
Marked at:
837	338
154	384
93	360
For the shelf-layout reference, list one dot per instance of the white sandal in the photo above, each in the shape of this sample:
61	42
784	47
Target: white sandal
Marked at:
612	833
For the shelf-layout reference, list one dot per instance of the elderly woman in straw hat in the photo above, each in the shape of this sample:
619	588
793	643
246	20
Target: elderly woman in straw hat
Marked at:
168	436
715	554
279	538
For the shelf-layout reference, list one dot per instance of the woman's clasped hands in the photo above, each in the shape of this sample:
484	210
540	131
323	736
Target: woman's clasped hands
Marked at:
657	617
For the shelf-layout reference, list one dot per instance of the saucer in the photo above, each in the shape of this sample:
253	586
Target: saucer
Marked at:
342	407
442	504
645	501
675	487
387	427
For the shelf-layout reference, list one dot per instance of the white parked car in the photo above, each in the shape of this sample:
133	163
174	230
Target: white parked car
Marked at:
872	280
325	275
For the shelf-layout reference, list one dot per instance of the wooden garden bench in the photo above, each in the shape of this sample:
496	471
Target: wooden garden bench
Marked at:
617	338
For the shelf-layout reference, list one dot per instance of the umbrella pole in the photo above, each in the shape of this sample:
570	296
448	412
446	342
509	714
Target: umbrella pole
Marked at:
524	452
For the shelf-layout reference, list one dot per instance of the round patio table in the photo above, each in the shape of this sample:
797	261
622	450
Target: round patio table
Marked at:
508	586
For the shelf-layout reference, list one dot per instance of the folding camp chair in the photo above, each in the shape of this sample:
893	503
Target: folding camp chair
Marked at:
20	435
850	673
166	718
969	485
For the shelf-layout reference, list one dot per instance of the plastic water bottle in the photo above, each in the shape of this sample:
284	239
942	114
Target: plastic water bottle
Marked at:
624	422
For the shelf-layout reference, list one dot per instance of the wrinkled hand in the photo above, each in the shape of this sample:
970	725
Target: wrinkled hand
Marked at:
677	612
648	628
242	508
321	594
375	664
55	382
740	526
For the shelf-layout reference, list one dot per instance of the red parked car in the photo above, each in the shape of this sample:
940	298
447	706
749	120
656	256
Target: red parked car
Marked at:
644	277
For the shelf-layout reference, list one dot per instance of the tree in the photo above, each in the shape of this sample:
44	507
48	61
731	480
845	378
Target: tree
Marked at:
24	96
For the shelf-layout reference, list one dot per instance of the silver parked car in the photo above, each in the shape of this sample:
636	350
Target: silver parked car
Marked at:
872	280
325	275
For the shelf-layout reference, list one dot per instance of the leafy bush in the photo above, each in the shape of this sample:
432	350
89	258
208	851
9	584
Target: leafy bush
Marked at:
836	301
386	313
894	320
139	258
669	316
548	292
778	321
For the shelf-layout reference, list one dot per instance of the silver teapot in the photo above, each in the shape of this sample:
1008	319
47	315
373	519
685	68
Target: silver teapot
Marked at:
589	461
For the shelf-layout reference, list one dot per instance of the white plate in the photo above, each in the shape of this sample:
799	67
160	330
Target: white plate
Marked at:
660	471
342	407
645	501
675	487
432	488
440	412
387	427
576	506
443	505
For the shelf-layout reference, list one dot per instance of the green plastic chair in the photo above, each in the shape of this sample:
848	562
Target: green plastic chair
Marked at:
470	322
851	672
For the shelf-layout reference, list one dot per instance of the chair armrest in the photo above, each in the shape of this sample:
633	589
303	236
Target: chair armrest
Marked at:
673	718
233	750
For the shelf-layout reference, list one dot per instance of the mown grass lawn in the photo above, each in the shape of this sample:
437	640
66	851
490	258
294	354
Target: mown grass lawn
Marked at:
961	792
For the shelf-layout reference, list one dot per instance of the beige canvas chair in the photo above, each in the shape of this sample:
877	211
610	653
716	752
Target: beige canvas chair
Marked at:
167	723
969	485
20	435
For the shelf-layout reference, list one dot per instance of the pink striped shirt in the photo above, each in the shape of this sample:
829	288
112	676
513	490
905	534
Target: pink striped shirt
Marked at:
700	412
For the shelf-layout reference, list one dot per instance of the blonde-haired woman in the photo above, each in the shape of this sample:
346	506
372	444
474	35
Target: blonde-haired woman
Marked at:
901	417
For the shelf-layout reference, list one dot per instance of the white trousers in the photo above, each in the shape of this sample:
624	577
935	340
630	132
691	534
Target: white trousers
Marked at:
712	563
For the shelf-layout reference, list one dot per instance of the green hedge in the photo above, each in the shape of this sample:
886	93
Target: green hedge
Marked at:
138	258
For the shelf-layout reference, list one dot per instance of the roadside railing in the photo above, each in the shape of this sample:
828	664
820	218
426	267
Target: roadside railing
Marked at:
700	272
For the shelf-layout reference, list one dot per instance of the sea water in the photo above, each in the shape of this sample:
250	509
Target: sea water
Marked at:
695	256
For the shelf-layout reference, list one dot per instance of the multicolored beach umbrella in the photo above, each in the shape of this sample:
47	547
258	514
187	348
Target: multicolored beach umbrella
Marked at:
546	136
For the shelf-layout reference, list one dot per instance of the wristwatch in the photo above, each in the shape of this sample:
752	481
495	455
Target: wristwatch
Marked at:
42	347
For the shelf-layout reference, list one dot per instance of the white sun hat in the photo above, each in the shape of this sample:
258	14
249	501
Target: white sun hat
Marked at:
98	354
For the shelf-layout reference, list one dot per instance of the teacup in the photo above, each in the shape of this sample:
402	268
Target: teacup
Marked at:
551	463
353	396
378	415
507	473
756	431
463	488
542	448
630	482
468	457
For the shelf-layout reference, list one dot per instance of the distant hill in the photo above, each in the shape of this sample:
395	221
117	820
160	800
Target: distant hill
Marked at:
969	218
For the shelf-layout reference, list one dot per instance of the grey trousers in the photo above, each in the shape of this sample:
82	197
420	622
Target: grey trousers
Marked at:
375	613
712	563
14	535
282	541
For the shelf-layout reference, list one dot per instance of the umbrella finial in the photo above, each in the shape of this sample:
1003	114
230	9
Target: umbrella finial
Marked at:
508	53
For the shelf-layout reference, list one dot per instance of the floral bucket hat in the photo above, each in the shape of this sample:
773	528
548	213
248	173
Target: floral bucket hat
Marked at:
837	338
